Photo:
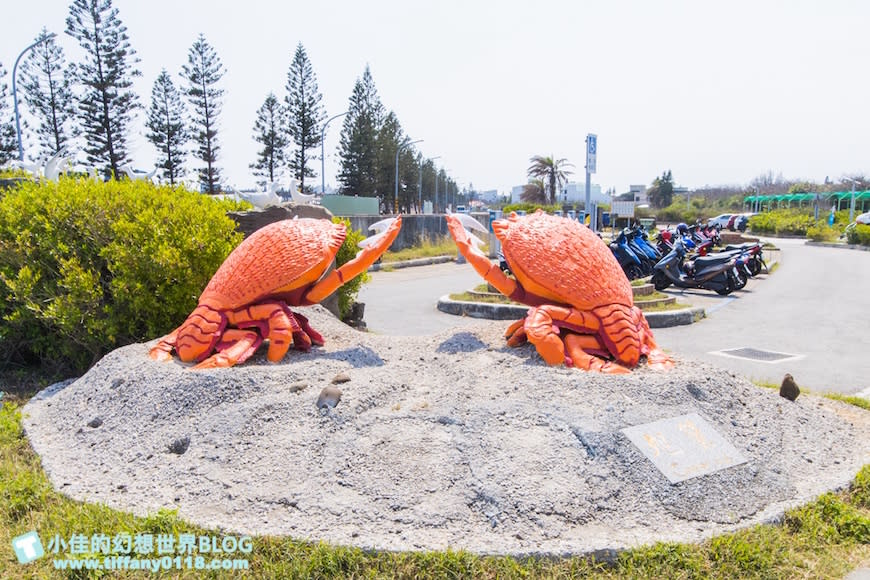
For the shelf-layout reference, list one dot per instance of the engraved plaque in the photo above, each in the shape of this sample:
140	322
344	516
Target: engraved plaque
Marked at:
684	447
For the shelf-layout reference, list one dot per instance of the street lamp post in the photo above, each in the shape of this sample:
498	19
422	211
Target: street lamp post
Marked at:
15	92
435	208
322	156
420	191
436	183
398	150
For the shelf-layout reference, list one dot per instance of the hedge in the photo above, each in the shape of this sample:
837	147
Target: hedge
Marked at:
860	234
87	266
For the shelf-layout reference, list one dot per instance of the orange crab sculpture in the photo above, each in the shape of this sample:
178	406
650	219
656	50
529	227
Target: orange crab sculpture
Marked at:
248	299
582	309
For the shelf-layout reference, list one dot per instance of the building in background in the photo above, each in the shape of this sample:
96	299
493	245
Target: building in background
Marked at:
488	196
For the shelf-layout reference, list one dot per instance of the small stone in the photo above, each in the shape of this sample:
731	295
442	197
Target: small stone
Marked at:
297	387
329	398
95	422
117	383
789	388
180	445
340	378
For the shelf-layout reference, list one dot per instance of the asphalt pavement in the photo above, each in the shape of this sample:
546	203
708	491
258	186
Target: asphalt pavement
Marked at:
809	318
814	307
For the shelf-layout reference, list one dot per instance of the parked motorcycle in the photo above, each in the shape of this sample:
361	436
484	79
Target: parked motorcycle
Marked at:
629	261
709	272
756	256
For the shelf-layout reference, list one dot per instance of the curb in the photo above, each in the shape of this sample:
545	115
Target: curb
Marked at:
512	312
839	246
411	263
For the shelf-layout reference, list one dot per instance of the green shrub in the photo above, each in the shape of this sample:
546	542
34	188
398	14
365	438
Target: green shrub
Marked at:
87	266
791	222
860	234
678	211
529	208
347	293
823	233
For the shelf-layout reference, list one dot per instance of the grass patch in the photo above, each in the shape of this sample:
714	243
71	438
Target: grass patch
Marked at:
468	297
859	402
666	307
824	539
768	385
640	281
428	249
856	401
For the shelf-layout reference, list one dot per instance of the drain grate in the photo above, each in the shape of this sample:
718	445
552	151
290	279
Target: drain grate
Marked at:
758	355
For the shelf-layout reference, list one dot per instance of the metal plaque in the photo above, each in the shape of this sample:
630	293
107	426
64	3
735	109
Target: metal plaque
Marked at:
684	447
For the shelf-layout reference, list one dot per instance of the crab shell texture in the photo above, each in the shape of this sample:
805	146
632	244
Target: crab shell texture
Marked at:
278	262
562	261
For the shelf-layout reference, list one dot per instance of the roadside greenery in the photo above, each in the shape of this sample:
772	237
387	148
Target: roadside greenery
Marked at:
348	291
443	246
860	234
530	208
87	266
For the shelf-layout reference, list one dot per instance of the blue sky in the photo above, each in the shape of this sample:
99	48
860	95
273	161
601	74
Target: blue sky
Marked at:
717	92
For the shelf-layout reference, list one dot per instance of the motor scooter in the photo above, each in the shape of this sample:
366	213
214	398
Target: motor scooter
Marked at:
708	272
628	260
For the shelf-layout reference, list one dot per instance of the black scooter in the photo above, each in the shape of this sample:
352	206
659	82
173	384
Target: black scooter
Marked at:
709	272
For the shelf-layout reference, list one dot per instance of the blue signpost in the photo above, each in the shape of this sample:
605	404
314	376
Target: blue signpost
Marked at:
591	166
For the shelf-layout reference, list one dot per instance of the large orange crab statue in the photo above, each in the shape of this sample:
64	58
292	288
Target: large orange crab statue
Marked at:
248	299
582	309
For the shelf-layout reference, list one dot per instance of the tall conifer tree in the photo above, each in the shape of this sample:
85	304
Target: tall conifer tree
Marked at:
358	147
46	83
304	114
166	127
8	141
268	131
107	104
202	72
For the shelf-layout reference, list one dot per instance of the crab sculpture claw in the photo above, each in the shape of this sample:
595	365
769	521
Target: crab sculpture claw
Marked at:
249	298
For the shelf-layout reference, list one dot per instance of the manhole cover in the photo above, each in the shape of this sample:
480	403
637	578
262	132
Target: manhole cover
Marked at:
756	354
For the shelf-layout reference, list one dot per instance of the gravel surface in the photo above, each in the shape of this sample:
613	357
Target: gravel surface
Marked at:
452	440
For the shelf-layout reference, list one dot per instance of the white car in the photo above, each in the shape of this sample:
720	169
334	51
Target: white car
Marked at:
720	220
864	218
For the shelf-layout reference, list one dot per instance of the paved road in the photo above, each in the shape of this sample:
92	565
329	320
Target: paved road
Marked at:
403	302
815	306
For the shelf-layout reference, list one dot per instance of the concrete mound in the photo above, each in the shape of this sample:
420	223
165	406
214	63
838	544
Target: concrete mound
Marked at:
453	440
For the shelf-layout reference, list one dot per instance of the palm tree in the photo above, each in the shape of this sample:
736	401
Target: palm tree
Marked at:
533	192
552	172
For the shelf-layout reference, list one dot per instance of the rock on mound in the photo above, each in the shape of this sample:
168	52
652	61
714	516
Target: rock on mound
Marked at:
451	440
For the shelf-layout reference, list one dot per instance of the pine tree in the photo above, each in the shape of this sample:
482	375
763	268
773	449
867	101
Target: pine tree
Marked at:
202	72
269	132
166	127
8	141
304	113
46	84
107	105
389	136
357	149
